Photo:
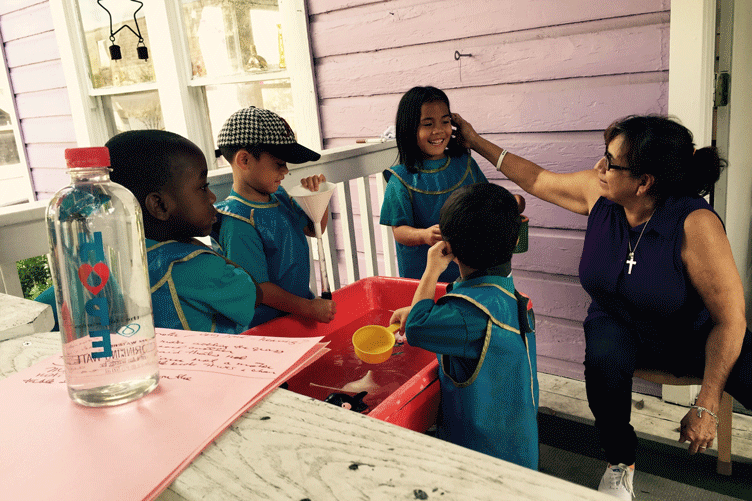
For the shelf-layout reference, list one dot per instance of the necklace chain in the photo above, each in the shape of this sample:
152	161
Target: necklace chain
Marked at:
630	258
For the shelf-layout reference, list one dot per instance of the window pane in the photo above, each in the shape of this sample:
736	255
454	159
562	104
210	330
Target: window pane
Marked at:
14	179
233	37
8	149
137	110
224	100
106	72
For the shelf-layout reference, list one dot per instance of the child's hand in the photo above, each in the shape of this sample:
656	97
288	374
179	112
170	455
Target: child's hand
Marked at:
323	310
439	257
313	182
432	234
400	317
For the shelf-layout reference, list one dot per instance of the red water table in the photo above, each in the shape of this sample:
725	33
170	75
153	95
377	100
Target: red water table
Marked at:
404	390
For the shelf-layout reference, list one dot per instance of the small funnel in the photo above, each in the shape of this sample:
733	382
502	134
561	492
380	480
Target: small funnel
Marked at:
314	204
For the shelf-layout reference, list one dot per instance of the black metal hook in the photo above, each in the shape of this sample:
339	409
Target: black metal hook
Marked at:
457	55
142	51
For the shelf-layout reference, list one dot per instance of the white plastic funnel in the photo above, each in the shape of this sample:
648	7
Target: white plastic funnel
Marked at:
314	204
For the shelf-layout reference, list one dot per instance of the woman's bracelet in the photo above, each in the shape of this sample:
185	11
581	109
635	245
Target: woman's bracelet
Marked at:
699	413
501	159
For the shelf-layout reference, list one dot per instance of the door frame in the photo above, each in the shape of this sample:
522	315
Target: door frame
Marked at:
692	67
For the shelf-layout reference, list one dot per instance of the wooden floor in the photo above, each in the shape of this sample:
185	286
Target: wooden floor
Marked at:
652	419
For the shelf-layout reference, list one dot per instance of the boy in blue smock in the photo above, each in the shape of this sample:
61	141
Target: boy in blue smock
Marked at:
482	330
261	227
192	287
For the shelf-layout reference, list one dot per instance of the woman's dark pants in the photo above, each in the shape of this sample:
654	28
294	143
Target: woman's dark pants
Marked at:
611	356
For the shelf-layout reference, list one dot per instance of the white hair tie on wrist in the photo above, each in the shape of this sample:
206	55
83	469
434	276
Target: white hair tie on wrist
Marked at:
501	159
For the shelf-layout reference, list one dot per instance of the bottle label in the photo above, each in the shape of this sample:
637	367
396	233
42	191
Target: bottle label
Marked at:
129	356
110	340
97	307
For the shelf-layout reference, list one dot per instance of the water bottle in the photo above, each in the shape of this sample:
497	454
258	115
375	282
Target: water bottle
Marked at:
98	261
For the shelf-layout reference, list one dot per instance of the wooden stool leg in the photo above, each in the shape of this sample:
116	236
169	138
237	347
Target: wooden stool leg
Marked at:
725	414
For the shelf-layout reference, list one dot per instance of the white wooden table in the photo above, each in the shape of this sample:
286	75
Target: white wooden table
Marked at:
291	447
19	317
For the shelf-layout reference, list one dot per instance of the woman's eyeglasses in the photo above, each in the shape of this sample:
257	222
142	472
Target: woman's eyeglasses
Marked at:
610	166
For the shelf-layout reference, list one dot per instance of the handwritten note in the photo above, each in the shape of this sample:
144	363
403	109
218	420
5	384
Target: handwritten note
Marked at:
203	352
134	451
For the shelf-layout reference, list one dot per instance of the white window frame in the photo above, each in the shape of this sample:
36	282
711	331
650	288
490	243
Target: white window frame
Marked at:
15	126
181	97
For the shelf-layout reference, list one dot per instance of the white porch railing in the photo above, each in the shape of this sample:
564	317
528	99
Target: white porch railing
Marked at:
365	248
355	169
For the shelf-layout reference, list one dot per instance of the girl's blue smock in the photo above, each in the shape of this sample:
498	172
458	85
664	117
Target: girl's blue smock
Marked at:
415	199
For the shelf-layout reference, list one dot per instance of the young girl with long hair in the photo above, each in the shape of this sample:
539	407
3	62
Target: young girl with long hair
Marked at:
432	166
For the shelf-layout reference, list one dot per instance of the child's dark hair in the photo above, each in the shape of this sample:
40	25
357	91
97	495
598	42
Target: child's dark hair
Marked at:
229	151
481	222
142	160
662	147
408	120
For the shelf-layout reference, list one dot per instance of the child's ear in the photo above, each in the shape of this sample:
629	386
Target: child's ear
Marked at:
157	206
243	159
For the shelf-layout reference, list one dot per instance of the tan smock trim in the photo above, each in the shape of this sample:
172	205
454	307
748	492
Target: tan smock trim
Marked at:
252	205
488	339
472	378
468	171
241	218
438	169
532	376
159	244
524	338
502	289
255	205
485	310
176	302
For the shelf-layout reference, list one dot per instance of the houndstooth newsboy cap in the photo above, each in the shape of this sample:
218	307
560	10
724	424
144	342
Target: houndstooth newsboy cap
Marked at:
253	125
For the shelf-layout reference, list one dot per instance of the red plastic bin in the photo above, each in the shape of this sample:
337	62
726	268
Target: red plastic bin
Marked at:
408	387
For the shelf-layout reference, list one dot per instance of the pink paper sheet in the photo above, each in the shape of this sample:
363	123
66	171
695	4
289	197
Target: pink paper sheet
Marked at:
53	448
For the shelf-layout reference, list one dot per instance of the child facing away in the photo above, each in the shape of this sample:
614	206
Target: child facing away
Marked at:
261	227
482	330
432	165
192	287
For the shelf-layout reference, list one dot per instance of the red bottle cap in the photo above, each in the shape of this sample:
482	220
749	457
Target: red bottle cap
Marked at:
96	156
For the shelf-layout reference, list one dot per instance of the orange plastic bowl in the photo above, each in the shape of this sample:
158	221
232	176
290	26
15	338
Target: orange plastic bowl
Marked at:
373	343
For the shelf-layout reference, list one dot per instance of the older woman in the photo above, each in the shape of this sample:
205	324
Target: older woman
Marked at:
658	266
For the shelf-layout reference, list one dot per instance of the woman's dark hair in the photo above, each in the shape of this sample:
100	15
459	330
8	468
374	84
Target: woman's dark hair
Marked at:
408	120
664	148
482	224
143	160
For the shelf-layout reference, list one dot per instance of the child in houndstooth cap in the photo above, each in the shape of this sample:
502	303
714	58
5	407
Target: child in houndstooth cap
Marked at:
260	227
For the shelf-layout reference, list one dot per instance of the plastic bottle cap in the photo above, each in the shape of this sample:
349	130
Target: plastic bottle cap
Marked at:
95	156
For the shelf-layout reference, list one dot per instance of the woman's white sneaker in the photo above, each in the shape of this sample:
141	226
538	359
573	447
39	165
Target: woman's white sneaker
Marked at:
617	481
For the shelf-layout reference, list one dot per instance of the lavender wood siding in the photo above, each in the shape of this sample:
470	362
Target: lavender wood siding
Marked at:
39	87
545	78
